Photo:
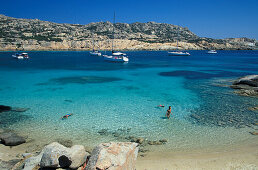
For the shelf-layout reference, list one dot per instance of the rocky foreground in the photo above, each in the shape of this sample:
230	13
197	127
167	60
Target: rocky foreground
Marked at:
113	155
33	34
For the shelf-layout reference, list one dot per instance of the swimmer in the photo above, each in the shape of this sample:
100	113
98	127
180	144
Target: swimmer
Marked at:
160	105
66	116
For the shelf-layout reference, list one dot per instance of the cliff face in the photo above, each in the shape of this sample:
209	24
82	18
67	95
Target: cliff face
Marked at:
33	34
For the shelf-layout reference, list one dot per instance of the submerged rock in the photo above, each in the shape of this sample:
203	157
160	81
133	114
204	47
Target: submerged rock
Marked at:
4	108
254	133
247	86
155	143
113	155
18	109
11	139
253	108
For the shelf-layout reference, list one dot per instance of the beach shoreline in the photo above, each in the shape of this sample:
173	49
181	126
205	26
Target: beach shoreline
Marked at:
243	155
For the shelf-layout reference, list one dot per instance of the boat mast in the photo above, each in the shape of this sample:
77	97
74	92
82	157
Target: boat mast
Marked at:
93	44
177	38
113	34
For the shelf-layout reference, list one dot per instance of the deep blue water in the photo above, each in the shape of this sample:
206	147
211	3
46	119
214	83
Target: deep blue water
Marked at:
122	97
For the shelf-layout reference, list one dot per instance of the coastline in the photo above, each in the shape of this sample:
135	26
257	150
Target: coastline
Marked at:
242	155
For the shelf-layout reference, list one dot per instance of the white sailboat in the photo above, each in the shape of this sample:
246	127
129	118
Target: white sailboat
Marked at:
94	52
116	56
212	52
177	52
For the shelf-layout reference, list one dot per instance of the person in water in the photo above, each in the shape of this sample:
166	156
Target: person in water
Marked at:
168	112
67	115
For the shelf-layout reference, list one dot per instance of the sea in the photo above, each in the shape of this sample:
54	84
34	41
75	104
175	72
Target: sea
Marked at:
119	101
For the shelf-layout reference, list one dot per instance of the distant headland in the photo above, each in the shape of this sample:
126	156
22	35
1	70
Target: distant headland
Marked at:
34	34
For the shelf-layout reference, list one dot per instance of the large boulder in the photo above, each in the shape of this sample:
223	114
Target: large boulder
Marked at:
56	155
4	108
11	139
113	156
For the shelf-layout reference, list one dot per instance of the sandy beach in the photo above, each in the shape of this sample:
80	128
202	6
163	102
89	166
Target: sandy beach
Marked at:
241	156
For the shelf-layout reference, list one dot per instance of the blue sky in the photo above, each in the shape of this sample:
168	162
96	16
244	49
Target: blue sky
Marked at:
206	18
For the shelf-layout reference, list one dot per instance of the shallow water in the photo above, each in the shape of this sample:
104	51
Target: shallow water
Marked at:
123	98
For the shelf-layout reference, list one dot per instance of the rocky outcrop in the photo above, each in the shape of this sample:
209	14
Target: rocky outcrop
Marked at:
4	108
246	86
115	156
56	155
11	139
33	34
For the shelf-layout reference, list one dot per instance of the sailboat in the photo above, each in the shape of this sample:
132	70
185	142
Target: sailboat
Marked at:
177	52
116	55
94	52
212	52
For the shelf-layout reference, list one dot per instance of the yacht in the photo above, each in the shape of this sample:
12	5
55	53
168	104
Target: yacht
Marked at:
177	52
212	52
21	56
116	56
94	52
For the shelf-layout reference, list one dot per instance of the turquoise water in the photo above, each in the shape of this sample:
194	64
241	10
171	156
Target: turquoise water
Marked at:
122	98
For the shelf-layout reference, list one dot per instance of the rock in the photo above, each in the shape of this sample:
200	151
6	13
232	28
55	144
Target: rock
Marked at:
67	143
26	155
155	143
17	109
163	140
253	108
140	140
247	86
250	80
78	156
4	108
254	133
11	139
113	155
32	162
103	132
195	116
7	165
56	155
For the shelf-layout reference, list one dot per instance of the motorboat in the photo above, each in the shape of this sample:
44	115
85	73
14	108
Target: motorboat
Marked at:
118	53
95	53
178	53
21	56
212	52
116	58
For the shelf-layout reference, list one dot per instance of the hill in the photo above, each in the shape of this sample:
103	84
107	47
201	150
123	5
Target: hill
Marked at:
34	34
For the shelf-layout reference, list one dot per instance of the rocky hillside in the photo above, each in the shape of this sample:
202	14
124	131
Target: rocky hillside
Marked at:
33	34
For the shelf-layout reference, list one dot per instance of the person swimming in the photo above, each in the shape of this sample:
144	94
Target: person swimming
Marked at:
160	105
66	116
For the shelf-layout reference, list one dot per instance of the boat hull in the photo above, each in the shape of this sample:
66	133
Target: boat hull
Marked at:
95	53
116	58
178	53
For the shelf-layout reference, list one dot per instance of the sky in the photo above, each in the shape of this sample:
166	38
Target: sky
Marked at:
206	18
